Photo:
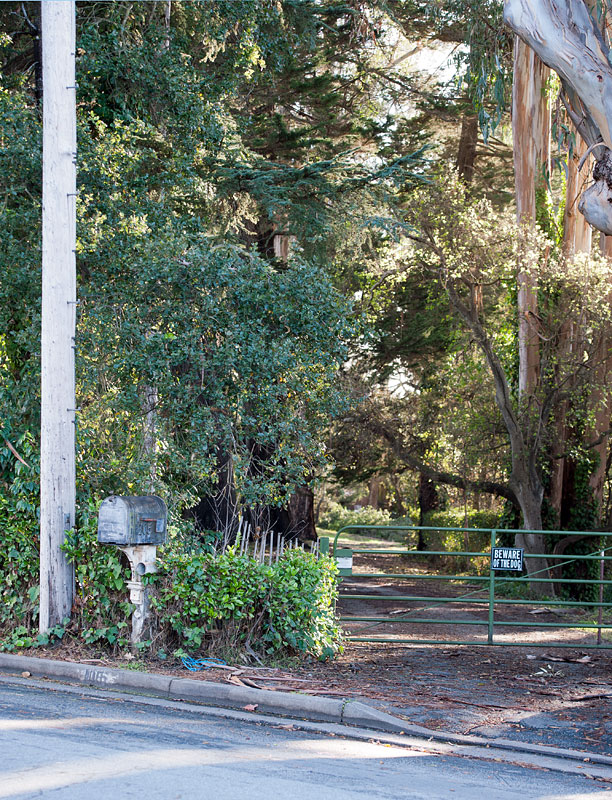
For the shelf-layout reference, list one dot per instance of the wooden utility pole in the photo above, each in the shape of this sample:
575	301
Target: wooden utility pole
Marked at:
57	468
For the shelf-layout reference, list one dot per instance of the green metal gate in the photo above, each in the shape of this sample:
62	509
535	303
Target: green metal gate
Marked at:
490	596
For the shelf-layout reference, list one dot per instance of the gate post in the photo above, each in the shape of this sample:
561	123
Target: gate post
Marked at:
491	590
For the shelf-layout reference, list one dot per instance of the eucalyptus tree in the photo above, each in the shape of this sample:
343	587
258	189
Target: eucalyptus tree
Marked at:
568	37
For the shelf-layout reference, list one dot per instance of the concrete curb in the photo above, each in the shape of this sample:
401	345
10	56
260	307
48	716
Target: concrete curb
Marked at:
158	685
206	692
283	704
366	716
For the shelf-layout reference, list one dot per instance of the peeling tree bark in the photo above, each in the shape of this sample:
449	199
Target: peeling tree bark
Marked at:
576	239
531	144
577	233
567	38
531	137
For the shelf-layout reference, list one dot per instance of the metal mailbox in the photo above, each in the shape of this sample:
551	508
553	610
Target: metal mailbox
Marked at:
132	520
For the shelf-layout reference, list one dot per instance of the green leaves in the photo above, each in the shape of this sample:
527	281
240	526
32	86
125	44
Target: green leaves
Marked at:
240	351
211	601
236	350
201	600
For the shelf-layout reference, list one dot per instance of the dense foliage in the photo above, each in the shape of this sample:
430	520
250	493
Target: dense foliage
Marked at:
192	341
230	601
337	516
278	268
204	602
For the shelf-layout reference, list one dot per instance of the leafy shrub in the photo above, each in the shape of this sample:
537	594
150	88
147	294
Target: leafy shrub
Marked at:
199	594
211	603
205	601
301	605
407	519
457	518
337	517
19	543
101	608
443	539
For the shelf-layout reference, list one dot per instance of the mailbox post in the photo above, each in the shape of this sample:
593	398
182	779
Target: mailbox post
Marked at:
136	525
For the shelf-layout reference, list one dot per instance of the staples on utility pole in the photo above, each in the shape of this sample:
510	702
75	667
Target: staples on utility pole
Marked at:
57	459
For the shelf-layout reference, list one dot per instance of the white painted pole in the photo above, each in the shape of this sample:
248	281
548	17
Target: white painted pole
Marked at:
57	468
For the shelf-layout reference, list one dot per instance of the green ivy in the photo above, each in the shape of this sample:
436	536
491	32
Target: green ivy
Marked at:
19	542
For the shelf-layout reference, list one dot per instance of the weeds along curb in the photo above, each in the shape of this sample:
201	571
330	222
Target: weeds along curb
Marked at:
283	704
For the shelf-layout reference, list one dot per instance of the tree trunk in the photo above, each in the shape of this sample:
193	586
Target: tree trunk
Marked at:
598	401
576	230
429	499
374	491
167	16
531	142
149	401
219	511
531	135
531	507
529	492
468	141
301	514
535	567
576	239
398	499
601	402
568	39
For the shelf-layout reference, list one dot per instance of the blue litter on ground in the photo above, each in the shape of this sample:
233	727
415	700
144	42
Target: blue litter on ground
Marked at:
198	664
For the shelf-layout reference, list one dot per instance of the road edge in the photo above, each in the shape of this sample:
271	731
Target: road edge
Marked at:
348	712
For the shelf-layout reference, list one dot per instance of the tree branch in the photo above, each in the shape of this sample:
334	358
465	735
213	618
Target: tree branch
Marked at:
438	476
15	453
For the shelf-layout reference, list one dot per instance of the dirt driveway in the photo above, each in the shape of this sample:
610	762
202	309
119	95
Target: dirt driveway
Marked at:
545	694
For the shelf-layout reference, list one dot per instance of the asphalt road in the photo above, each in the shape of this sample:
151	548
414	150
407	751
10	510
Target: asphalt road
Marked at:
78	747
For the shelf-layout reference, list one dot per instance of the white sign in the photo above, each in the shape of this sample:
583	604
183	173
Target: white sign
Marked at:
507	558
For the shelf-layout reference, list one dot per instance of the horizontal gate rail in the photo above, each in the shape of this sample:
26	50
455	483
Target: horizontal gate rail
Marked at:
404	551
416	528
500	623
489	585
498	600
497	643
482	578
417	621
